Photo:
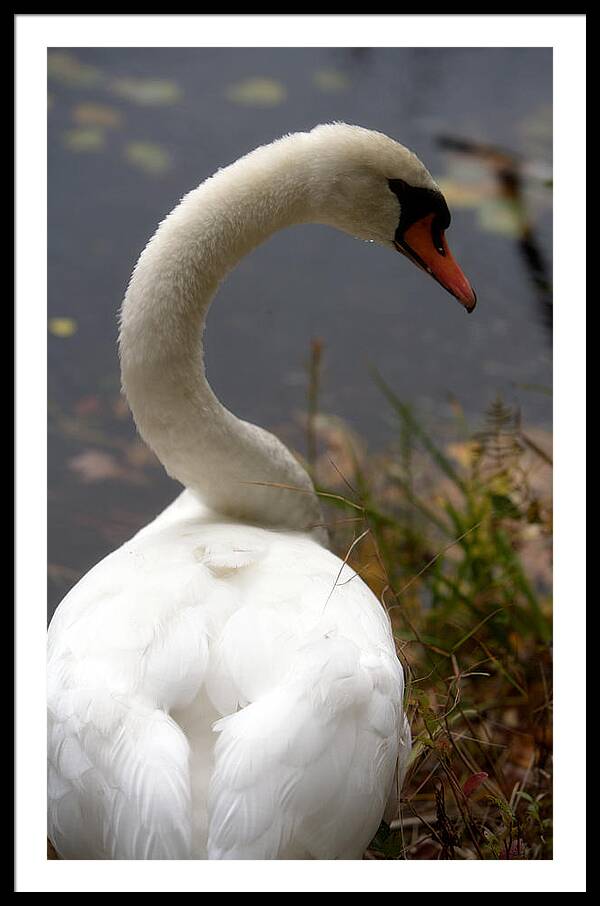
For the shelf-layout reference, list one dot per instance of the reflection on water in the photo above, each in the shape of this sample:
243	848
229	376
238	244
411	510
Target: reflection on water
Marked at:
131	130
510	173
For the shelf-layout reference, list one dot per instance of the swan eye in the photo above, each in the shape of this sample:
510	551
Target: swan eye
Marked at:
437	235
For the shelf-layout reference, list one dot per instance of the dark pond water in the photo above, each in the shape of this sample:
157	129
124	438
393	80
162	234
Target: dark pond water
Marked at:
130	131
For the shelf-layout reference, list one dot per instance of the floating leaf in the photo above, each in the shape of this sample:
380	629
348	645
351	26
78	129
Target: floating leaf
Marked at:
96	115
501	217
464	195
62	327
494	214
95	465
257	92
148	92
66	68
148	157
330	80
87	405
84	139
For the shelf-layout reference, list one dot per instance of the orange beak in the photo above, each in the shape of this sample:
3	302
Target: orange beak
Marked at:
429	251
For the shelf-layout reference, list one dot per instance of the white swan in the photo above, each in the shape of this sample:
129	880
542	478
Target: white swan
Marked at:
222	686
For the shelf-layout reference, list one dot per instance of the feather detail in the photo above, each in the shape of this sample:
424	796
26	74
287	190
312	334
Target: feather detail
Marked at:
251	708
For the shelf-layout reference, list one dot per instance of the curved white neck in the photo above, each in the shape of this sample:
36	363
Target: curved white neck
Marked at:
200	443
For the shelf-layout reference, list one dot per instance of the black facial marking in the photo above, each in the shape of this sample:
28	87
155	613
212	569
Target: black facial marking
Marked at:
436	235
416	203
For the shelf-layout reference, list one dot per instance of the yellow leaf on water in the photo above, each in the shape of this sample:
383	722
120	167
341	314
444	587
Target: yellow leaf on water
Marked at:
149	92
62	327
257	92
495	214
330	80
66	68
148	157
86	138
96	115
462	194
501	217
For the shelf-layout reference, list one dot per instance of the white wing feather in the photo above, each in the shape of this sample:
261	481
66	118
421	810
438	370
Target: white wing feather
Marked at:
118	781
191	621
305	771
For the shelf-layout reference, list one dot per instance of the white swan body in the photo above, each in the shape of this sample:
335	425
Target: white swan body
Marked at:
222	685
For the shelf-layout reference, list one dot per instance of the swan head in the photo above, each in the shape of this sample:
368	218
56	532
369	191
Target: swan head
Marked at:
372	187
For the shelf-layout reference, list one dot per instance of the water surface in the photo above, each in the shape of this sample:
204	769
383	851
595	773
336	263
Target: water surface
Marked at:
131	130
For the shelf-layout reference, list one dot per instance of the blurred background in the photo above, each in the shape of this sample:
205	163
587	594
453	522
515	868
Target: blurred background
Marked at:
131	130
